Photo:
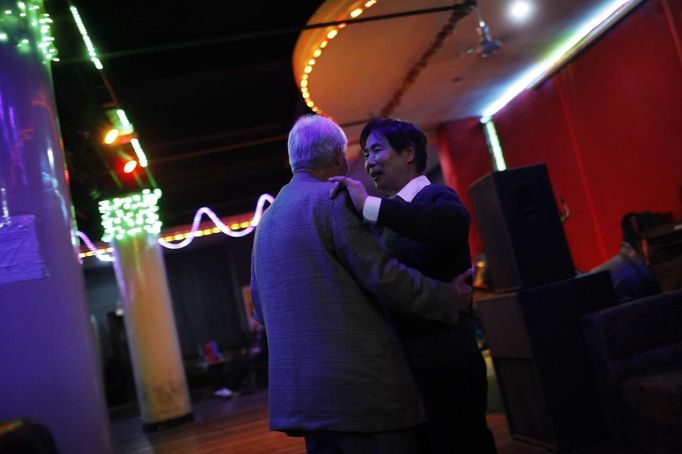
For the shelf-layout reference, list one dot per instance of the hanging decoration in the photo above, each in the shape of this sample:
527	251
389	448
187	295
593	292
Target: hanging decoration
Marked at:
461	11
131	215
28	27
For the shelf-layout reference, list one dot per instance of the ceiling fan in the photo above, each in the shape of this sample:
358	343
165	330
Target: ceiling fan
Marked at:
487	44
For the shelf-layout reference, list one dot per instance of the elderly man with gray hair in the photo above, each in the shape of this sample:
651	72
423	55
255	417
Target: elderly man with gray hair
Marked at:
321	280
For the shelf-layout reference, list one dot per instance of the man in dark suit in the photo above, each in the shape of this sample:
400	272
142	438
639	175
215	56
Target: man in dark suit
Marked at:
320	280
426	226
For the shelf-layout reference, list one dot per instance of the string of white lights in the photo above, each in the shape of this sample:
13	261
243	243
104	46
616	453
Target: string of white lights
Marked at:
95	252
194	232
218	223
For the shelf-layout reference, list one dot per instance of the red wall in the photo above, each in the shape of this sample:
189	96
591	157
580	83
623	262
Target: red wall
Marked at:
608	126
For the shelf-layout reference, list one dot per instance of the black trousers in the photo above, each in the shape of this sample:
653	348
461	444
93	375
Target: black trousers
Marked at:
393	442
455	396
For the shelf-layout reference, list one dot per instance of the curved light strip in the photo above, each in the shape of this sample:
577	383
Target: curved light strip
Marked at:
332	33
188	237
93	250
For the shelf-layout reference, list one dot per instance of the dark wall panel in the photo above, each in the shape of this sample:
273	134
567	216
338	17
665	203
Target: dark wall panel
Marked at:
464	159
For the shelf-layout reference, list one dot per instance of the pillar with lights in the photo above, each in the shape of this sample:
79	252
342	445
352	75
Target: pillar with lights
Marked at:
49	369
132	225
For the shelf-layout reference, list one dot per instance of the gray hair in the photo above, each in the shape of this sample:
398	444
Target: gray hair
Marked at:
313	141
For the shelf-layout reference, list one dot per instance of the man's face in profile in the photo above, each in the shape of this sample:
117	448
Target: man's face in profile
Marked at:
385	165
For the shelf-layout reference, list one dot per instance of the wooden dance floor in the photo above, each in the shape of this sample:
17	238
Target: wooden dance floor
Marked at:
240	426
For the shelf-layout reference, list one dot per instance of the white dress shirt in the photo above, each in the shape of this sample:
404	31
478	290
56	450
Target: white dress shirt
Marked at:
370	210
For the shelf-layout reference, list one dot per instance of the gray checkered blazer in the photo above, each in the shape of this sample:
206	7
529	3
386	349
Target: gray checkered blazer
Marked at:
319	276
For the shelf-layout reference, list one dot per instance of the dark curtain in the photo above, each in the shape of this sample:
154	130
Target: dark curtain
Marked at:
206	304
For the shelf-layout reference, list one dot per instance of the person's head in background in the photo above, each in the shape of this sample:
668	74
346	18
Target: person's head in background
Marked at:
317	145
395	153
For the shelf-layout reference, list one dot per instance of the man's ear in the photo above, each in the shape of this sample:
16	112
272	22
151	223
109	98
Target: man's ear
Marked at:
340	160
410	154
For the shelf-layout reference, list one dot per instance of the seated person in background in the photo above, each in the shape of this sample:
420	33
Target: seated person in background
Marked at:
254	352
631	275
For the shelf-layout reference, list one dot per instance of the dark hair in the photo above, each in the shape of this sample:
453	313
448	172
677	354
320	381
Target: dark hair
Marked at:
400	135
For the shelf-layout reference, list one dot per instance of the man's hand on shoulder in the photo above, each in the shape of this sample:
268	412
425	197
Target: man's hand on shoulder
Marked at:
356	190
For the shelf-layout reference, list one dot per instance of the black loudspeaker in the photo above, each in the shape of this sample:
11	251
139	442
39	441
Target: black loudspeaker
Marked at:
519	223
541	360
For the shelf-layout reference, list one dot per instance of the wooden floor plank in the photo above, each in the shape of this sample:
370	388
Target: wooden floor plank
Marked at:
240	426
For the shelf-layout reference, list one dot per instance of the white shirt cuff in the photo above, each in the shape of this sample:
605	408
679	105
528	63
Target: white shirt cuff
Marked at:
370	210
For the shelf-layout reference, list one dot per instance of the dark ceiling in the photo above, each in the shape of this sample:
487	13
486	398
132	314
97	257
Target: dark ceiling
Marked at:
208	86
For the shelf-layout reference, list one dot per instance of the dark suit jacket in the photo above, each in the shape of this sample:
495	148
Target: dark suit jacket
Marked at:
430	234
319	279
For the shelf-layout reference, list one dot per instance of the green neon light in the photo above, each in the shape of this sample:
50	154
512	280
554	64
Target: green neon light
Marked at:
139	152
27	26
119	120
132	215
86	38
120	113
494	146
